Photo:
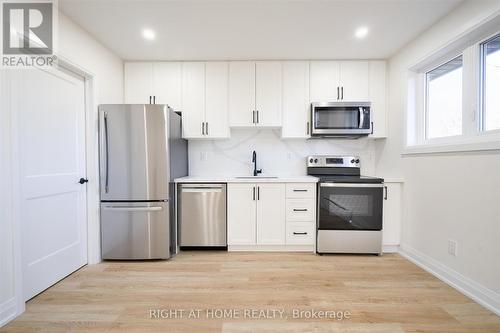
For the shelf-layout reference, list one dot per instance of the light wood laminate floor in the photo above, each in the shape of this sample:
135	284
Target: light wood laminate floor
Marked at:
385	294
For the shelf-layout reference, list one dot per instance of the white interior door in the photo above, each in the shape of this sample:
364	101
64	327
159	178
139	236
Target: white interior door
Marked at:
51	136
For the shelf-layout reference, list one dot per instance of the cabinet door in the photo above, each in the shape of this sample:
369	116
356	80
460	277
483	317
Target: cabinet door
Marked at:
216	103
241	93
325	76
354	81
268	95
167	84
392	214
271	214
296	105
378	98
193	99
241	214
138	82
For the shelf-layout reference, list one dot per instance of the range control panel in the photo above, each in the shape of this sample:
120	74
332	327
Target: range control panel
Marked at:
329	161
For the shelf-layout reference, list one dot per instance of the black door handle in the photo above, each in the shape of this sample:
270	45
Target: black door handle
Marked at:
83	181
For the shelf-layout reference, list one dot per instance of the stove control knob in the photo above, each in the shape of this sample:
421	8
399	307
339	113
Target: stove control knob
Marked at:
353	161
357	161
311	160
315	160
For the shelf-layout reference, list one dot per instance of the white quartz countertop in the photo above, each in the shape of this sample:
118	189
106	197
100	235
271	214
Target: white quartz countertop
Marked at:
247	179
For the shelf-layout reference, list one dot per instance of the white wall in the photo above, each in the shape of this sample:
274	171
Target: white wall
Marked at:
275	156
78	47
446	196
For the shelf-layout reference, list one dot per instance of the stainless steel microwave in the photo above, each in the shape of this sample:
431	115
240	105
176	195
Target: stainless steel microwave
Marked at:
341	119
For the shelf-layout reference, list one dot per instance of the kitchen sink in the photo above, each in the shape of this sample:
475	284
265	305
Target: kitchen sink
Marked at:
256	177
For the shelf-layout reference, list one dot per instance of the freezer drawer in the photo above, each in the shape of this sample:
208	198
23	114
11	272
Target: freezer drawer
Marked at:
135	230
202	215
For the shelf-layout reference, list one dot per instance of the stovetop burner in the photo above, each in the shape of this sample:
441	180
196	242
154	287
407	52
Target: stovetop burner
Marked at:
338	169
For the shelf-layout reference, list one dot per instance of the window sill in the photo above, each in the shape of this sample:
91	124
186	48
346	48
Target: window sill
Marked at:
476	144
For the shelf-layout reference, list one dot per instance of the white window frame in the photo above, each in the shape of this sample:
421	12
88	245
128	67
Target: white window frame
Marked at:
473	138
482	72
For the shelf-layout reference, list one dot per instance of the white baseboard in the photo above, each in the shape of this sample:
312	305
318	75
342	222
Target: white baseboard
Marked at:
390	248
479	293
7	311
271	248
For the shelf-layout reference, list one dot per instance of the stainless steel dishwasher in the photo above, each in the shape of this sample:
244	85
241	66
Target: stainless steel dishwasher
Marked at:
202	215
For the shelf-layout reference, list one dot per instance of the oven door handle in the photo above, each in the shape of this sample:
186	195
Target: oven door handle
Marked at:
349	185
361	117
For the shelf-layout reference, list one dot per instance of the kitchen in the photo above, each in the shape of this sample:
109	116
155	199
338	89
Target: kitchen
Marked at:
274	176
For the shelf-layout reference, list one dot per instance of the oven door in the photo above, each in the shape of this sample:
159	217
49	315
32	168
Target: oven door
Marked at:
350	206
340	118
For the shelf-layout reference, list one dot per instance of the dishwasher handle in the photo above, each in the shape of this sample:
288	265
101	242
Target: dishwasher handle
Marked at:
201	190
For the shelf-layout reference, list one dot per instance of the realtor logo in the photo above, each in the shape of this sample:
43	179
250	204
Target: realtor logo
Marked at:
28	33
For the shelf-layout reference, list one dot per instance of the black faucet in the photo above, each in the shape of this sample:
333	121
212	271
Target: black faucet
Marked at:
254	160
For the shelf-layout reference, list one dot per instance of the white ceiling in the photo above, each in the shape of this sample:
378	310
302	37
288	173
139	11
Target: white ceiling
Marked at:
258	29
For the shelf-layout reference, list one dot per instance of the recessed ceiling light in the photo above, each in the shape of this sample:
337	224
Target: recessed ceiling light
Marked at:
148	34
361	32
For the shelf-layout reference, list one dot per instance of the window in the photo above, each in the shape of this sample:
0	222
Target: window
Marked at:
491	84
444	100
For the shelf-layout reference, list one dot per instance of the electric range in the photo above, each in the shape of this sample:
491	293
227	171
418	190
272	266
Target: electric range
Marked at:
350	206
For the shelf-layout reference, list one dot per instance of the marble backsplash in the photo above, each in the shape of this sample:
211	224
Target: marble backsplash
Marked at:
275	156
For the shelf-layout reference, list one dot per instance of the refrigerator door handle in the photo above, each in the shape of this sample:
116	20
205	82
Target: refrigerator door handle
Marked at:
133	208
106	154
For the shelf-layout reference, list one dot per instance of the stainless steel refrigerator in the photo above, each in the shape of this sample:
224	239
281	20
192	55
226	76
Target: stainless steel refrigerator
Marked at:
141	153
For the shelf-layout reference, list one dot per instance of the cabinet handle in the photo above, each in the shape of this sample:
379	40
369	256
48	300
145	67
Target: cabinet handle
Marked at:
258	192
342	93
372	127
254	193
253	117
307	128
385	196
338	92
206	128
202	128
300	233
154	99
149	99
299	190
257	116
300	210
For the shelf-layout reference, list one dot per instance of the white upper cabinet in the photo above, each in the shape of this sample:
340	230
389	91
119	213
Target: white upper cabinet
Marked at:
138	82
324	80
153	83
205	100
354	81
242	93
193	99
378	98
268	93
167	84
296	104
343	81
216	99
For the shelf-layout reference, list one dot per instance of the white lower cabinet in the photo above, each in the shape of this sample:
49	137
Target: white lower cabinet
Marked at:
261	215
392	216
241	214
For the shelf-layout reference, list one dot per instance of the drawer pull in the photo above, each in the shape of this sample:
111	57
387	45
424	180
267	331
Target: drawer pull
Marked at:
300	190
300	210
300	233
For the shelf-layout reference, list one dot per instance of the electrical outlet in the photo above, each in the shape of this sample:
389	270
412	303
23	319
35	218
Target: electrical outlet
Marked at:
452	247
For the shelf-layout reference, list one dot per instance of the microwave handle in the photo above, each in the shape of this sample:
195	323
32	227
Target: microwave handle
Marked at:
361	117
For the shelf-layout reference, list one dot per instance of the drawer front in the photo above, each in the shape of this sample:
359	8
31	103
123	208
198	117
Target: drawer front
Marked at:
300	210
300	233
301	190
